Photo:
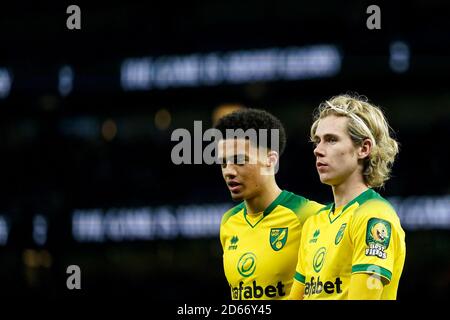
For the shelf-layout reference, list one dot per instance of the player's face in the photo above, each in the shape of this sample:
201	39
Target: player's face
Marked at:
336	155
241	168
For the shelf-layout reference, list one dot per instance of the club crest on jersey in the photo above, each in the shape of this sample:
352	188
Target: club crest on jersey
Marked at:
378	235
340	234
278	238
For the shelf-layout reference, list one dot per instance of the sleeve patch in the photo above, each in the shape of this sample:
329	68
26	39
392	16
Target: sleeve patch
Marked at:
378	236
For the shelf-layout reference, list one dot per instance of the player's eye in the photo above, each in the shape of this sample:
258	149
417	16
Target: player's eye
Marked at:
332	139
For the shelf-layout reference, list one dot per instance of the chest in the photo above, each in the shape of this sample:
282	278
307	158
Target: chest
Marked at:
269	243
328	246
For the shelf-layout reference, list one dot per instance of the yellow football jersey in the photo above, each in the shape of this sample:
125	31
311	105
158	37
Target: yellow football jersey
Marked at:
260	251
364	236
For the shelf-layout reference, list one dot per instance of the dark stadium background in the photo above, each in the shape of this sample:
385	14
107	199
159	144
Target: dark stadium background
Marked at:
100	147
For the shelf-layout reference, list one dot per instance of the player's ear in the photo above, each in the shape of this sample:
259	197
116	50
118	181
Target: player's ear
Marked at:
365	148
272	158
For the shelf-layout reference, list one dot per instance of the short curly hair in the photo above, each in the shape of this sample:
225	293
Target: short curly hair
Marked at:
249	118
366	121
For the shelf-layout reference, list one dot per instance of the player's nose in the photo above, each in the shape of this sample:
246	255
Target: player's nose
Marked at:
229	170
318	150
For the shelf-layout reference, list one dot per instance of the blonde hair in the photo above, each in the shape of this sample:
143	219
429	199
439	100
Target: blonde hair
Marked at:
366	121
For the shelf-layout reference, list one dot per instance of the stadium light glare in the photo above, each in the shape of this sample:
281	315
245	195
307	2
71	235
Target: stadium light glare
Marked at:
4	231
244	66
5	82
65	83
39	230
399	56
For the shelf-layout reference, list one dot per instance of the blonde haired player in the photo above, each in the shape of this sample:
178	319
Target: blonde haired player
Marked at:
355	247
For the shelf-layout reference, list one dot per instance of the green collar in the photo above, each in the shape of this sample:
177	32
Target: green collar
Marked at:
278	200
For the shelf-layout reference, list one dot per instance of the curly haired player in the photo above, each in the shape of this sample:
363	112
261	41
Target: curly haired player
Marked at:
260	236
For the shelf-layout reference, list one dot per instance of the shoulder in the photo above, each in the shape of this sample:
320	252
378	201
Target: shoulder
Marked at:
314	218
299	205
376	206
376	210
293	201
235	210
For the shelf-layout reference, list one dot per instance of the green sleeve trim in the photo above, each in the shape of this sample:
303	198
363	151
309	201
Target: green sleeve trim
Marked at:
232	212
372	268
299	277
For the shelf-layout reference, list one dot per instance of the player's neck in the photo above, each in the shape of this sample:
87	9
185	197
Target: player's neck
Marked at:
260	202
347	191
